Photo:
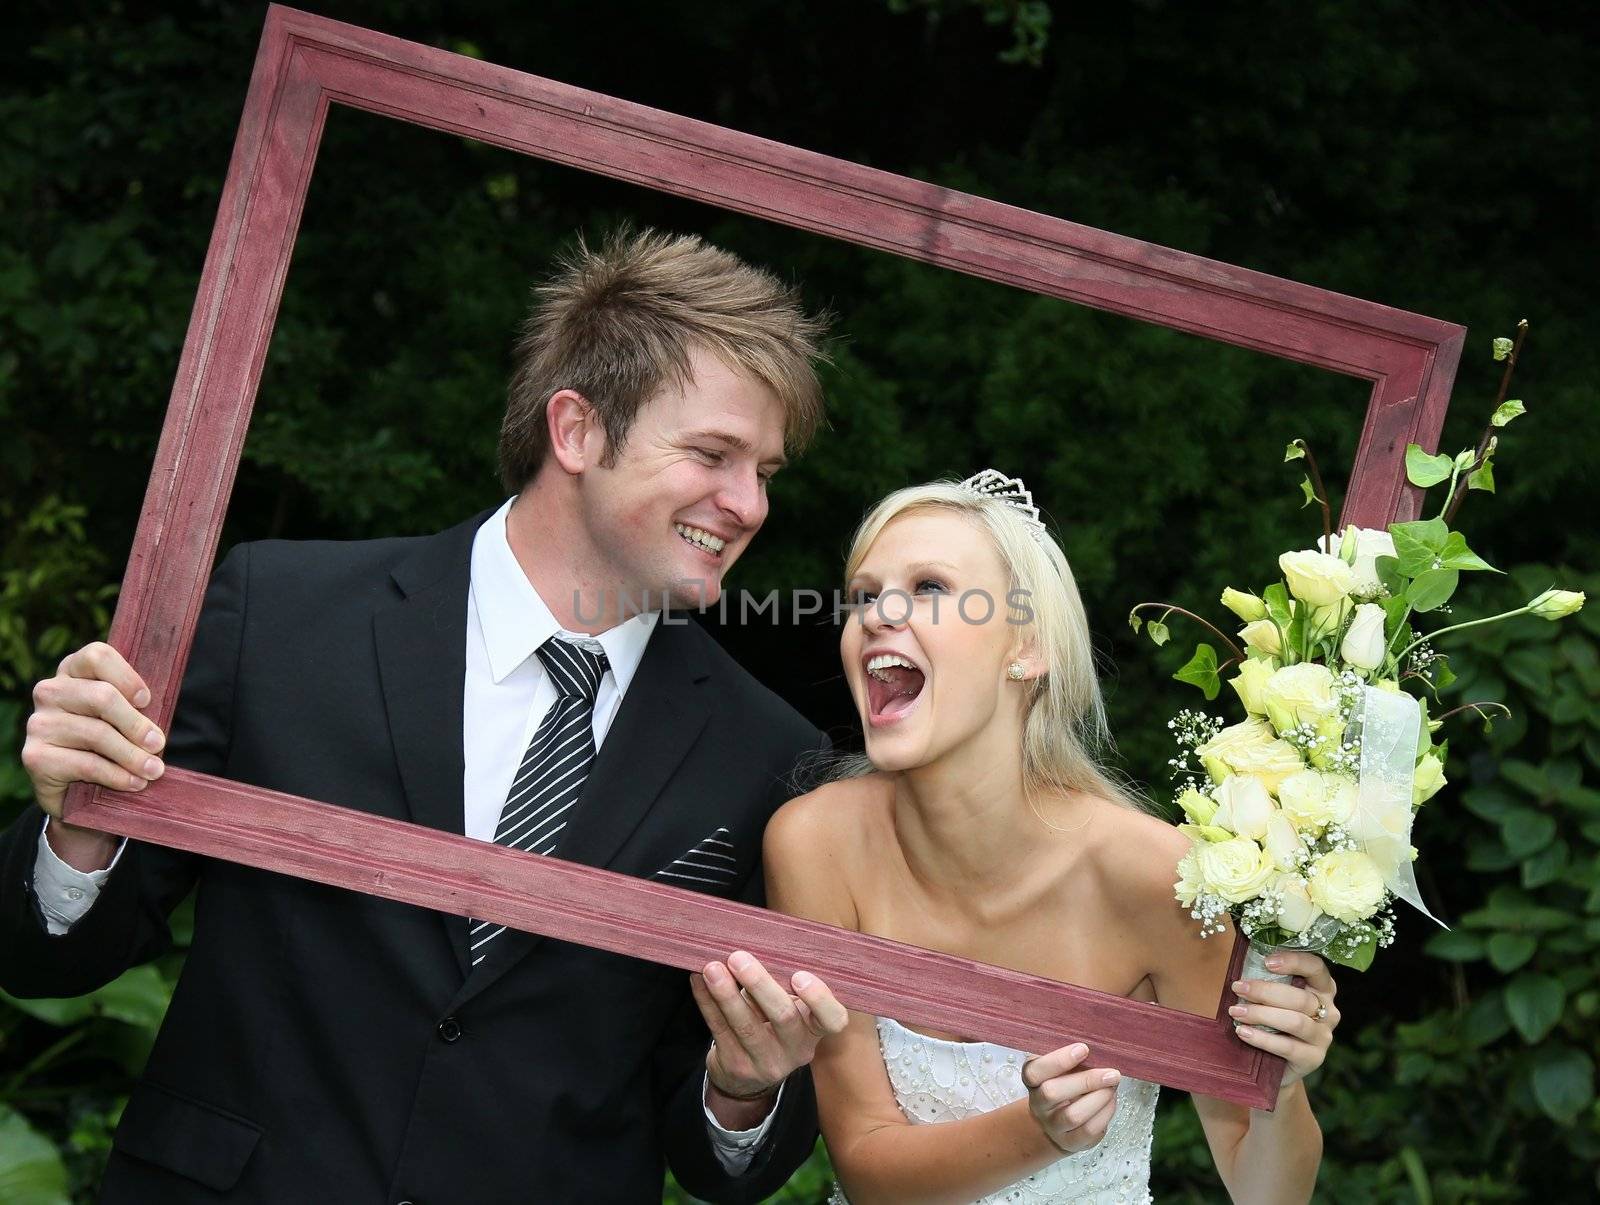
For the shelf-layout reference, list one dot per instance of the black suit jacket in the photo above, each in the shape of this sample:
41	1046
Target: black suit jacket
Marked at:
324	1045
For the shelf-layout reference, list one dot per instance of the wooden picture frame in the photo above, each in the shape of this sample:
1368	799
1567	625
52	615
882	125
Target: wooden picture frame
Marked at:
307	63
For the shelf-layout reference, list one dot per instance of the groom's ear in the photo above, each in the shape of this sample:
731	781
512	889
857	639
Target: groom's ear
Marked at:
573	428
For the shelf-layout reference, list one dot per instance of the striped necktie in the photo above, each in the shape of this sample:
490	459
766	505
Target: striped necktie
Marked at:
550	779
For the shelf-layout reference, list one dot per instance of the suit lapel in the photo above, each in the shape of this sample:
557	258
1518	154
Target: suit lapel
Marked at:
660	718
421	646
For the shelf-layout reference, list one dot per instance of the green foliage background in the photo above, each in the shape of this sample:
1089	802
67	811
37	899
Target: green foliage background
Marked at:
1433	157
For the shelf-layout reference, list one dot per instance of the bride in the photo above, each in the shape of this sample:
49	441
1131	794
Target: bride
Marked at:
978	823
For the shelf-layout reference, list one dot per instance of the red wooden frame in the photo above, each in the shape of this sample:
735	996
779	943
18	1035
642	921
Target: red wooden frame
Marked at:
306	63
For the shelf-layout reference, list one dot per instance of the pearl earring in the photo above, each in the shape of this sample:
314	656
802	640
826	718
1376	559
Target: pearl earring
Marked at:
1014	671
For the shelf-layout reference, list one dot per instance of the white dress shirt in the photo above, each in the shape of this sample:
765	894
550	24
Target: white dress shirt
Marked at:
507	694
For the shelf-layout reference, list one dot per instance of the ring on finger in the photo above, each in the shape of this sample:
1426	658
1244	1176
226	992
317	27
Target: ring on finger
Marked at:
1322	1010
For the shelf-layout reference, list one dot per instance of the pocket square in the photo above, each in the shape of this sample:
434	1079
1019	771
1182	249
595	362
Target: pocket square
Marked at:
711	861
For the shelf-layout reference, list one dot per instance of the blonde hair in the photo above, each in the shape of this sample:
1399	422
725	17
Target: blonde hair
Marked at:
618	323
1065	734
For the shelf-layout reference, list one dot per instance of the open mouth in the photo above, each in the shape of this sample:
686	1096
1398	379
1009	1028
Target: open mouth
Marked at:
701	539
894	685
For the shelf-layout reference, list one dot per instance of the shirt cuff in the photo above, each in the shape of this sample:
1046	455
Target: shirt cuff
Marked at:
65	894
736	1149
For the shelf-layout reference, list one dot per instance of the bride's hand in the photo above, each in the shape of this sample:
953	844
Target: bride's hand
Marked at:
1304	1016
1072	1107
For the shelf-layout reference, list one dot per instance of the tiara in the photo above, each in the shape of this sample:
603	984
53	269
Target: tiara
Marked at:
992	483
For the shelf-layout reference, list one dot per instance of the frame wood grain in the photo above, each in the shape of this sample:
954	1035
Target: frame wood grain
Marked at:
306	63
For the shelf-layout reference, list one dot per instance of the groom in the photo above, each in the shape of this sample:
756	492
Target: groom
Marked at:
519	678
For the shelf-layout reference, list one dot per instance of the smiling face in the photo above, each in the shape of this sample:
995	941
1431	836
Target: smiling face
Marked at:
927	649
687	491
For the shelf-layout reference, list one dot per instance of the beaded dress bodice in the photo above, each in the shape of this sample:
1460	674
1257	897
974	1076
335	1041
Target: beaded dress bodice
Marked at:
935	1080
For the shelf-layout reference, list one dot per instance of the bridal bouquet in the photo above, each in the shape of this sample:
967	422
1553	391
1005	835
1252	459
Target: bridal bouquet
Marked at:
1300	813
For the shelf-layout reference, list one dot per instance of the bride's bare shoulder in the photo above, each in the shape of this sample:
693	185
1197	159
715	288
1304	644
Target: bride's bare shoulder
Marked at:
1140	853
816	845
828	823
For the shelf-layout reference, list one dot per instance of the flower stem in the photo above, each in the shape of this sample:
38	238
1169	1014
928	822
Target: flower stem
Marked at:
1454	504
1478	707
1322	497
1471	623
1236	650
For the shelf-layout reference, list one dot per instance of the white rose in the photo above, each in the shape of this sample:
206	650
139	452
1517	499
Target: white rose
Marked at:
1300	694
1314	800
1252	676
1262	635
1249	747
1243	806
1364	646
1296	912
1370	543
1316	577
1282	841
1236	870
1346	884
1429	779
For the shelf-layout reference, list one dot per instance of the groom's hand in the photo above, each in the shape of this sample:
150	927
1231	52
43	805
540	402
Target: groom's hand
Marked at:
760	1031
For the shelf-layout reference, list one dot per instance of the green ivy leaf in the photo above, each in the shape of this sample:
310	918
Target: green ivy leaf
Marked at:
1425	470
1388	570
1310	493
1158	632
1501	348
1419	544
1456	555
1508	951
1432	588
1534	1003
1563	1082
1482	477
1276	596
1134	621
1443	675
1506	411
1201	671
1295	451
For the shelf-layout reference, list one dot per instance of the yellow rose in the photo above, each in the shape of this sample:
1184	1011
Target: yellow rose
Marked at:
1346	884
1252	676
1429	779
1262	635
1249	747
1314	800
1236	870
1246	606
1299	694
1316	577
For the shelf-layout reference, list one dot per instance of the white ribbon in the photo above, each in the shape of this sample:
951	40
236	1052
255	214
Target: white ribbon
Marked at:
1391	731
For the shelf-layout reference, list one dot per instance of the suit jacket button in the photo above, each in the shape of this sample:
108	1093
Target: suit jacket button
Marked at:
449	1029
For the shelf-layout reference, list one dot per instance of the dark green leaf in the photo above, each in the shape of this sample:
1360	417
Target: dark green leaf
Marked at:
31	1170
1534	1003
1563	1082
1508	951
1546	866
1455	945
1276	597
1358	959
1526	831
1388	570
1482	477
1486	1021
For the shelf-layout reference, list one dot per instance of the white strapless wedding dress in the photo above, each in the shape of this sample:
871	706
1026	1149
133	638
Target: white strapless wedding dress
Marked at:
935	1080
